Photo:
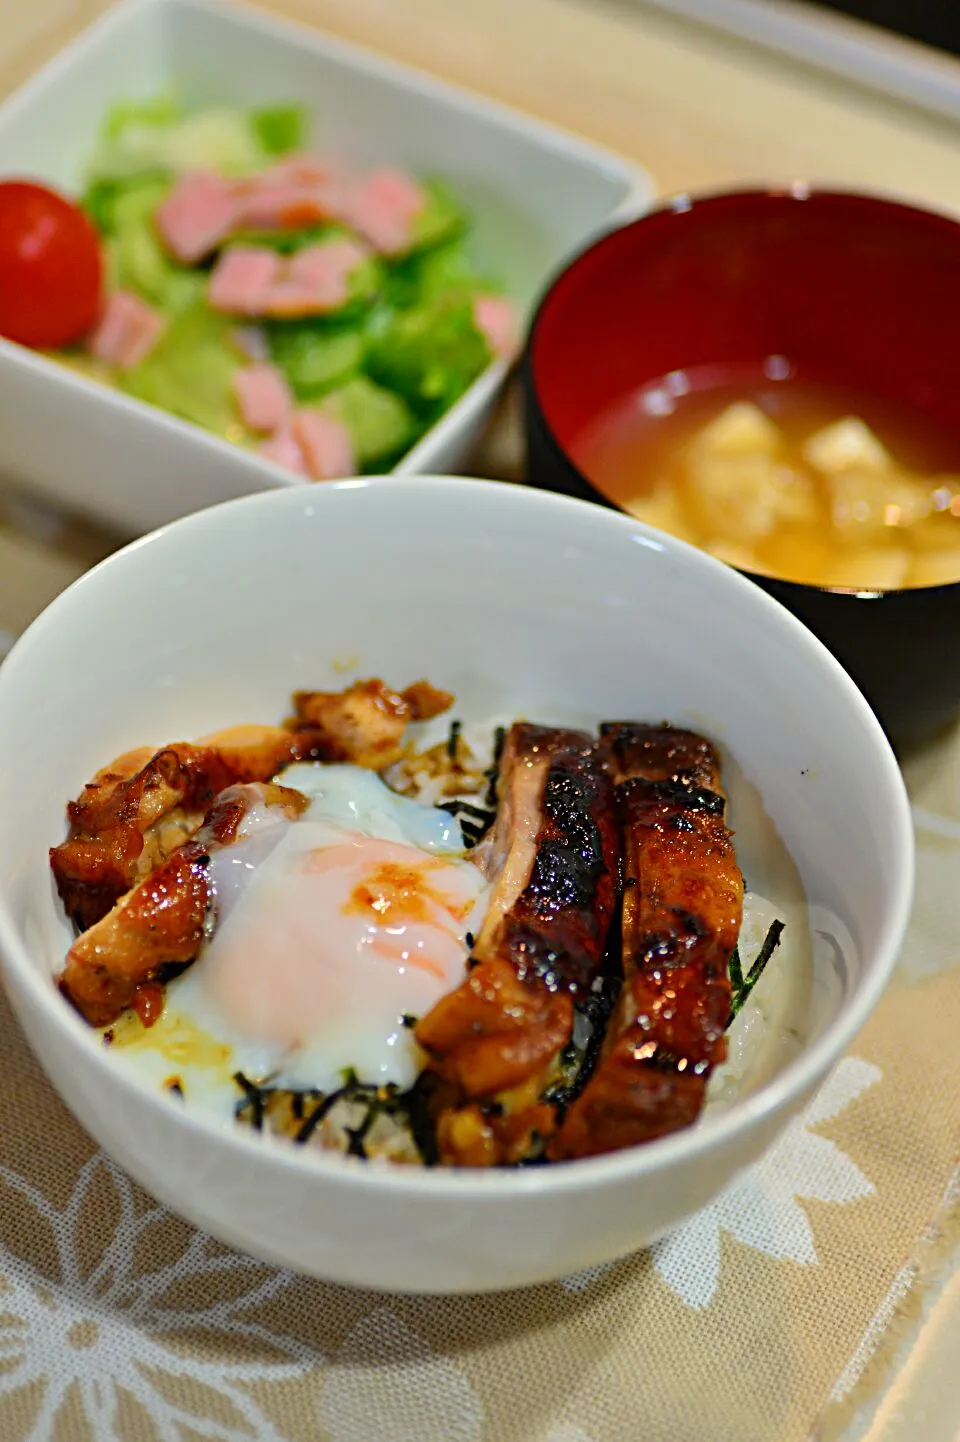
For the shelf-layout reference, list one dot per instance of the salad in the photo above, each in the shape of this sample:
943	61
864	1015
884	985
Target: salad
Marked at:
214	266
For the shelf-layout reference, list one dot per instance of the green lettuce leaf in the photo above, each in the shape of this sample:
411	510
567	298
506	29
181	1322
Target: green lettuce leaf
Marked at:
160	111
441	219
111	204
430	354
280	128
137	261
382	427
315	356
190	372
428	275
364	285
286	242
219	139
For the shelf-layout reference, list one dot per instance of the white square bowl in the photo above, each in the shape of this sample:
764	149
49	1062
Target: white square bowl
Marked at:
536	195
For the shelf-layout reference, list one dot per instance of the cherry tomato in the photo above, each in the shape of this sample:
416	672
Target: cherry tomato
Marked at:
50	267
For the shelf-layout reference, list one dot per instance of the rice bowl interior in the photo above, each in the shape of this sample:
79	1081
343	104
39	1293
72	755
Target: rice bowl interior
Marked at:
302	1012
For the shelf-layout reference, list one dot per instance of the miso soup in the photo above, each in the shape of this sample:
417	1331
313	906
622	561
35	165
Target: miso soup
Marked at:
791	479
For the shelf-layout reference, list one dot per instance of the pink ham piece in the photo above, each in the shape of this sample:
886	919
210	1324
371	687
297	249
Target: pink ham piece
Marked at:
291	170
204	208
383	208
197	216
242	278
325	444
263	397
496	319
284	449
294	193
283	207
317	279
251	280
328	267
127	331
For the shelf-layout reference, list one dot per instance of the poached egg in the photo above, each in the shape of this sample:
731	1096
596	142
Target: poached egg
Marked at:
331	935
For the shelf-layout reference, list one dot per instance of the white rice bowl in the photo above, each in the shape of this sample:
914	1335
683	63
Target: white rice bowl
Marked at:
520	603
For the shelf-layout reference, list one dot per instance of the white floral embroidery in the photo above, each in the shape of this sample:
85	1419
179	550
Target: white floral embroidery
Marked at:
761	1209
580	1281
99	1334
386	1383
940	825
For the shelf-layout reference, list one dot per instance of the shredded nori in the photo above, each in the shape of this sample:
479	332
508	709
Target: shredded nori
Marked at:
356	1135
323	1106
453	740
493	772
459	807
253	1100
735	970
579	1064
533	1158
411	1107
742	985
475	821
420	1117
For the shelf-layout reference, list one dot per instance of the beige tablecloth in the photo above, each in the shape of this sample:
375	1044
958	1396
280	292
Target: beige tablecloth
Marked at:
786	1308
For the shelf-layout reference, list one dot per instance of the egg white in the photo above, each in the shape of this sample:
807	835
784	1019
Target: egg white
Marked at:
369	972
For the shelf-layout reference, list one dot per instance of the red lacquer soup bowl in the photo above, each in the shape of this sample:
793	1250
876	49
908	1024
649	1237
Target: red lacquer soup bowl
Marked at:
845	290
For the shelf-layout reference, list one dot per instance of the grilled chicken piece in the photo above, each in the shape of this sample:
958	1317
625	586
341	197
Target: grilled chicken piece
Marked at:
553	853
117	963
366	723
140	808
496	1029
472	1136
660	753
682	909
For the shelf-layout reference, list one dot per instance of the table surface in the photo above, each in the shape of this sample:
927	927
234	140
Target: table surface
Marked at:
699	110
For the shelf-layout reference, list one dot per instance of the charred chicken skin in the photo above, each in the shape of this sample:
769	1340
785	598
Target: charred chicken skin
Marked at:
553	856
682	908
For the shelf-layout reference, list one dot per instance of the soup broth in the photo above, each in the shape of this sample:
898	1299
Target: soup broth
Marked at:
785	477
